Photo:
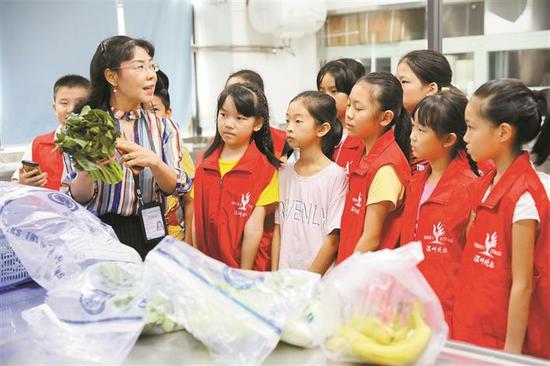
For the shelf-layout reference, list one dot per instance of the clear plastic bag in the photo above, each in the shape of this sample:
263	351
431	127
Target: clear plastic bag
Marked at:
95	302
389	314
318	320
237	314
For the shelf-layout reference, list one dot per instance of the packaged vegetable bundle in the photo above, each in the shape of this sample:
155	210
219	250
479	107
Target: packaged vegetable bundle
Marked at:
238	315
389	315
89	138
95	306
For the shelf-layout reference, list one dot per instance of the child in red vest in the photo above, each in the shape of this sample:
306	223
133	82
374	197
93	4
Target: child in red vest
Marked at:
278	136
281	149
237	180
371	218
436	209
69	91
312	190
423	73
336	78
503	292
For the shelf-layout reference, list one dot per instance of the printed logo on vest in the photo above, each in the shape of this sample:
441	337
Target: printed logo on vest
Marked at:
438	231
356	204
242	207
438	238
488	251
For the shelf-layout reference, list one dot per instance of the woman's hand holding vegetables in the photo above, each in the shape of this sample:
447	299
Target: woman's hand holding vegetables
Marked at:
135	156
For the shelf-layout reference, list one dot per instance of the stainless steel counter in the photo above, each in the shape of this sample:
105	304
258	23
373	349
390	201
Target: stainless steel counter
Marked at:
180	348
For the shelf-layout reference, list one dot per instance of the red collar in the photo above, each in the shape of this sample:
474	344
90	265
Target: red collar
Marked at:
247	163
442	194
350	143
381	145
512	174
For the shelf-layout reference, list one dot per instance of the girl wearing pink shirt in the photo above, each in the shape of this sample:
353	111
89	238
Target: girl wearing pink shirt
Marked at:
311	190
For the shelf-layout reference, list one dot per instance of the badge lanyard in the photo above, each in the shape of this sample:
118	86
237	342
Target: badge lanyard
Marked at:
151	215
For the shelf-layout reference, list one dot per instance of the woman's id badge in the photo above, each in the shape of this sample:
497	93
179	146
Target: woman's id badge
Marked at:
152	220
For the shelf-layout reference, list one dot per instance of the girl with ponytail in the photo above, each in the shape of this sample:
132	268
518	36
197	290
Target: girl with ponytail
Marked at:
503	292
236	183
372	212
303	240
336	79
423	73
437	207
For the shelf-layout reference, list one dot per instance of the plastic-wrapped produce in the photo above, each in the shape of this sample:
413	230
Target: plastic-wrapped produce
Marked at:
389	314
310	327
239	315
95	305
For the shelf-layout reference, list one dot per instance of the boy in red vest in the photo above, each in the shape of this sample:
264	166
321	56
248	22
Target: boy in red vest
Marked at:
68	92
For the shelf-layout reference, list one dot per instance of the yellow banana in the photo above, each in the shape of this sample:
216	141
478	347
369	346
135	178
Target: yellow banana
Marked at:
401	331
372	327
401	334
341	342
398	353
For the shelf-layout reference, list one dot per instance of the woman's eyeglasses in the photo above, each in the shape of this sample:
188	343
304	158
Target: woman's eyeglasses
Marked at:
139	67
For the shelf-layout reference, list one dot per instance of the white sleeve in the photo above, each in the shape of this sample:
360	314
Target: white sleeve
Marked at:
525	209
27	155
545	179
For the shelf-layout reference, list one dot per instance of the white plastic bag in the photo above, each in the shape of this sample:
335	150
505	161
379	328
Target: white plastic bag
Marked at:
237	314
389	314
95	306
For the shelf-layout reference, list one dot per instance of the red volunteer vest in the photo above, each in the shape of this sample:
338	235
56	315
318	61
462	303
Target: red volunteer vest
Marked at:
417	165
223	205
50	159
481	304
384	152
279	140
348	153
440	226
486	167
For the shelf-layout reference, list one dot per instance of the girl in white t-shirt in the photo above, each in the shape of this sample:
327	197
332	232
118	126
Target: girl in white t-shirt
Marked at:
312	189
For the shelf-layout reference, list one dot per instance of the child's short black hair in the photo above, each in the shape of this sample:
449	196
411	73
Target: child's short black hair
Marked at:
344	76
71	81
250	77
161	88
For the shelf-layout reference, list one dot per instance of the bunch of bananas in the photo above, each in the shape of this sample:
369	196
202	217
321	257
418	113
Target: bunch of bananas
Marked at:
370	340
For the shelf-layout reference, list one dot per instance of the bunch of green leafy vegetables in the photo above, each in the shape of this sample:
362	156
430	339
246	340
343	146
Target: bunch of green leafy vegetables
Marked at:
89	138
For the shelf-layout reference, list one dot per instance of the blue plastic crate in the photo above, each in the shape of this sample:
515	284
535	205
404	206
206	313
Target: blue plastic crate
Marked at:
12	271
